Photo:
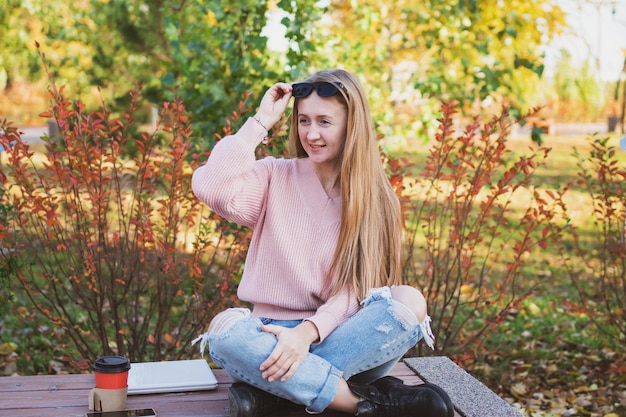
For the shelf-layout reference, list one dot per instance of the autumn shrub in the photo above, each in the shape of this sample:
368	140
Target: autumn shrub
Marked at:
596	261
473	221
9	261
115	250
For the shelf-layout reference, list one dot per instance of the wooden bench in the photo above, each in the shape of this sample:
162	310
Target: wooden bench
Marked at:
66	395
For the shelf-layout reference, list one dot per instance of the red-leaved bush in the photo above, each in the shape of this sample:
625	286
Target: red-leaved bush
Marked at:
114	249
468	238
596	262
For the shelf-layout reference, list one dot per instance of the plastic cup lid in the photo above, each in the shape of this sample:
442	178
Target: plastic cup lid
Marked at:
111	364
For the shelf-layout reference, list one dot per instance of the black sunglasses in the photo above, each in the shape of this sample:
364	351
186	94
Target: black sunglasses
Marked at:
323	89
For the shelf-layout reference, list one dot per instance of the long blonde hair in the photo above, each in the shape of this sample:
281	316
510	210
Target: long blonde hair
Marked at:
368	253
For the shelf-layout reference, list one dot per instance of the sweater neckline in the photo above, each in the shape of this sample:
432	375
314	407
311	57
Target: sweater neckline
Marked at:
313	193
312	181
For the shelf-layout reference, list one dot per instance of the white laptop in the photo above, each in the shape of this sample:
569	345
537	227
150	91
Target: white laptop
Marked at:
170	376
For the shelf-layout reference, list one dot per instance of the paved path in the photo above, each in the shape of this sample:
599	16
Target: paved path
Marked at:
33	134
567	129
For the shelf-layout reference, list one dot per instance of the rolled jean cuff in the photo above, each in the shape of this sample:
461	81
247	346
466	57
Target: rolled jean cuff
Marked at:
328	392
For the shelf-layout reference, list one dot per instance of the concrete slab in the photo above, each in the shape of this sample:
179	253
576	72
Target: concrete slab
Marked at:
471	398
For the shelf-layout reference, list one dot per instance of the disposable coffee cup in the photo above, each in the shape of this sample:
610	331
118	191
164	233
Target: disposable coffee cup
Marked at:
111	388
111	372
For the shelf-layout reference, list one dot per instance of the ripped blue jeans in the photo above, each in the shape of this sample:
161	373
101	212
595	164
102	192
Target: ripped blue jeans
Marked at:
362	349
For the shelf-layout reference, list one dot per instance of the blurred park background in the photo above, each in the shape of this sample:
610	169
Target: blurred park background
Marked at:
500	124
564	55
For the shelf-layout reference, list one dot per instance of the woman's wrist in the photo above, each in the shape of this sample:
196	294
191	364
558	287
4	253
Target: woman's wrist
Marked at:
310	331
261	122
264	125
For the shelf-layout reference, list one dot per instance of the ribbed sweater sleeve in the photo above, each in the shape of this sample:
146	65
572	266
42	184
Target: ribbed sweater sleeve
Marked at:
229	182
296	227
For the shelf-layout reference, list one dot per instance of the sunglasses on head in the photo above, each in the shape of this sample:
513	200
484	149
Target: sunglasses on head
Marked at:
323	89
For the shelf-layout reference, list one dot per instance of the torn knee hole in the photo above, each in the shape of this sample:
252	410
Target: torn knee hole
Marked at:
404	313
227	319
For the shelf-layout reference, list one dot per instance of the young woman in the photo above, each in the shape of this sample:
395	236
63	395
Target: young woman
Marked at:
330	316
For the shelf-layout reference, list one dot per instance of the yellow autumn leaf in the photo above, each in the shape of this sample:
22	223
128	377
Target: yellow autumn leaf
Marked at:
533	309
519	389
551	369
466	289
7	348
582	388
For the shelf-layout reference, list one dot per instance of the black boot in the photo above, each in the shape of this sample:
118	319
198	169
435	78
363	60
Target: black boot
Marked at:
248	401
390	397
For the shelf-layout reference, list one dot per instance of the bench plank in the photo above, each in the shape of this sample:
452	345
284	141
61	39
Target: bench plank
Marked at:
45	382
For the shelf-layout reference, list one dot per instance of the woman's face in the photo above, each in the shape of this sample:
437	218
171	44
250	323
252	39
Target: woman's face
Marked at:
322	123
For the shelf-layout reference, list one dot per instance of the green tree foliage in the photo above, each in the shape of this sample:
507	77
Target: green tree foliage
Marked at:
208	52
79	43
18	58
414	54
442	50
217	55
578	89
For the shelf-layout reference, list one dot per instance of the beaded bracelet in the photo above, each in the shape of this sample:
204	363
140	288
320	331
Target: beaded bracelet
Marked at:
258	120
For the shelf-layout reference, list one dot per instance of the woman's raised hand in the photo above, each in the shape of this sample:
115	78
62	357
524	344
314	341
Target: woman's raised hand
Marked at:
273	104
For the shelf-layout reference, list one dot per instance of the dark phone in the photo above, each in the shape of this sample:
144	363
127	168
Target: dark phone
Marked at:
144	412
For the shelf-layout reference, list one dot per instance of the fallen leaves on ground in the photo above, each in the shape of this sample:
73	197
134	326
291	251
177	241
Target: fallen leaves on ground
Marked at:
575	383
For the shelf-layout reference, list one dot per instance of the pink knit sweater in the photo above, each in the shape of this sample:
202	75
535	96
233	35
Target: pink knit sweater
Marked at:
295	229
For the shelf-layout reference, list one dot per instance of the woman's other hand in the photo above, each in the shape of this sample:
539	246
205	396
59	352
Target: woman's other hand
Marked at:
293	345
